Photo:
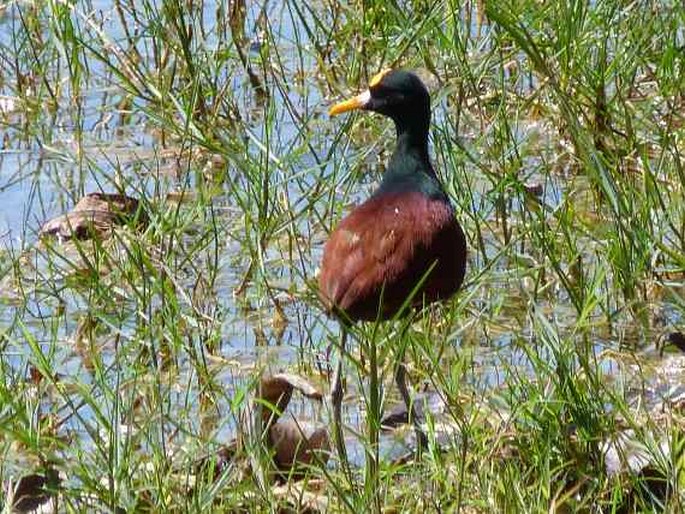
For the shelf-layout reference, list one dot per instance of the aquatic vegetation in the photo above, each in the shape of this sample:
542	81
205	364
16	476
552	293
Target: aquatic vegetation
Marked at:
128	357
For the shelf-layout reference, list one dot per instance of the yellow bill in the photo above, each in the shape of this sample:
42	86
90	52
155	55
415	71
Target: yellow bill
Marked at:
357	102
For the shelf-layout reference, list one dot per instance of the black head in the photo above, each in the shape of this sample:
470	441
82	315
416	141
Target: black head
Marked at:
397	94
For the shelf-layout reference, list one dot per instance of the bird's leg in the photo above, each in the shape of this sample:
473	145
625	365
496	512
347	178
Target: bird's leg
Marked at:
401	381
336	401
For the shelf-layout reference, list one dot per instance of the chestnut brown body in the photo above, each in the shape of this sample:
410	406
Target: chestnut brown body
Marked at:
394	247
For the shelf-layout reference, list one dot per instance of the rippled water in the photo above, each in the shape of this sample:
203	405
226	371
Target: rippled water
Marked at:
51	157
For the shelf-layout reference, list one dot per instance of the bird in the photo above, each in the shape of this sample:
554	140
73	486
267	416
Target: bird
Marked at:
403	247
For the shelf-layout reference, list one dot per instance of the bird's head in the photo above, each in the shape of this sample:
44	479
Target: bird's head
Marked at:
398	94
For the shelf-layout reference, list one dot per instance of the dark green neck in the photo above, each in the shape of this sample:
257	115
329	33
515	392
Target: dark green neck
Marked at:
411	145
410	169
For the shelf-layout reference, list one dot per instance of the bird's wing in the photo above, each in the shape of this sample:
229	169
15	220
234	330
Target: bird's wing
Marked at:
369	248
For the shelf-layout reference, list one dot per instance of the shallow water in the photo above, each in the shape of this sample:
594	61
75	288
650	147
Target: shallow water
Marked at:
52	156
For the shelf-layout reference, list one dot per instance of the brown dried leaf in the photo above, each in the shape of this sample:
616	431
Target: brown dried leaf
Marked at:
301	384
534	188
676	339
79	225
32	491
95	215
277	390
297	444
35	375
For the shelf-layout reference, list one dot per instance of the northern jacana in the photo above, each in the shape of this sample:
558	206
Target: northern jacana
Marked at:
401	246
